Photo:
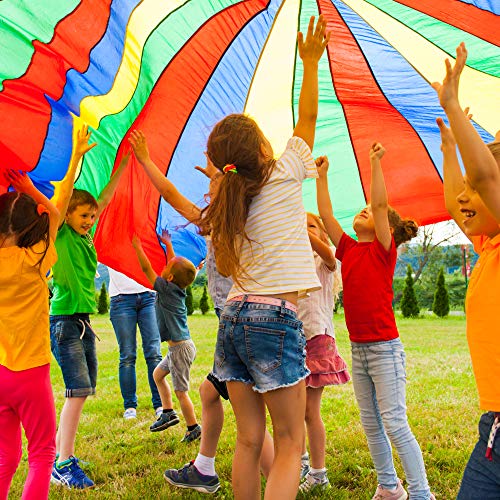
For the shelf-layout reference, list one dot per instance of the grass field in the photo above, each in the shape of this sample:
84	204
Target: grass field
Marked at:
127	461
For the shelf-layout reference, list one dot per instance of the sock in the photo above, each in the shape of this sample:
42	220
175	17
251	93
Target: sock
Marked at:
205	465
59	465
168	410
192	427
318	472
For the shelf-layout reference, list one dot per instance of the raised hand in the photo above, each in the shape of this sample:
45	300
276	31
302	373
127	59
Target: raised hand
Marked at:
447	137
165	236
210	170
82	145
140	146
322	165
20	181
448	90
377	151
311	49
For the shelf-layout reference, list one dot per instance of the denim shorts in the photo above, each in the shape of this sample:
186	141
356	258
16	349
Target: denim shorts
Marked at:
73	345
260	344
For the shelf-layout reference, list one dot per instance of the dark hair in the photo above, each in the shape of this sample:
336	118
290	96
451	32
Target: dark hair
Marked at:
81	197
235	140
404	229
19	217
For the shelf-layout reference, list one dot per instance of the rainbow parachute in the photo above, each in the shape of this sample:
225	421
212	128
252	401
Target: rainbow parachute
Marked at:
173	68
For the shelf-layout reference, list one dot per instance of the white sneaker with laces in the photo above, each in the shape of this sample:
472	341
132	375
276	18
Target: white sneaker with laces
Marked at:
398	493
314	481
130	413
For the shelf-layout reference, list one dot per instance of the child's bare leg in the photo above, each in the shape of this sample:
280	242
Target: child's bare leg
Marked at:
267	454
212	418
159	376
68	425
187	407
315	427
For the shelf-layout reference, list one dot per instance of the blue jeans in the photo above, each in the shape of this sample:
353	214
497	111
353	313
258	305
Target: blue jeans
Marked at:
260	344
126	312
379	380
482	476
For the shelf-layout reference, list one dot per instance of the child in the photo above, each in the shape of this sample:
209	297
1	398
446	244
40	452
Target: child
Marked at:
260	343
72	337
322	357
171	314
474	202
28	227
378	358
200	474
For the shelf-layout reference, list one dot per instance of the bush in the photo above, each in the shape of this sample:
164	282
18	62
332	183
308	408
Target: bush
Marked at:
409	304
189	300
103	304
441	304
204	307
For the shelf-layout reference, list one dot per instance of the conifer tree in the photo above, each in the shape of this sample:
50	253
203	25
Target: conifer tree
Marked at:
409	304
102	306
441	304
204	307
189	300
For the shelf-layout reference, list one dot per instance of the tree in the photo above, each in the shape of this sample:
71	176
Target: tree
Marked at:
441	304
409	304
204	307
102	306
189	300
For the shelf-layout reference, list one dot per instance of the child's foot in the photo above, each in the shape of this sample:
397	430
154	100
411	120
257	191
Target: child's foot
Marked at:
192	435
304	466
398	493
189	477
164	421
158	411
315	480
70	475
130	413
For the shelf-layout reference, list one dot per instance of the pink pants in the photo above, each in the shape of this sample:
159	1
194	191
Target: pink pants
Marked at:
26	398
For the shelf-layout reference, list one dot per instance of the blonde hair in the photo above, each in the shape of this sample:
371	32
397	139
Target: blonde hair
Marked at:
183	272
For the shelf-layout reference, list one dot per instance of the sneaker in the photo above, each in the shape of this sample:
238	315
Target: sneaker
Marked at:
130	413
313	481
304	469
398	493
158	411
71	476
193	435
164	421
189	477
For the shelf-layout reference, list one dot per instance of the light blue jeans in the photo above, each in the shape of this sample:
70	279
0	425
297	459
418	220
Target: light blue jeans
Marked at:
379	380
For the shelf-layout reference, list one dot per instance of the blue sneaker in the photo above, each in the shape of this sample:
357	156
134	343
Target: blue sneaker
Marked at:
189	477
71	476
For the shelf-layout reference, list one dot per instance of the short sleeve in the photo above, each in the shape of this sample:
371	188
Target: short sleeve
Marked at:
160	285
298	160
34	254
383	254
345	244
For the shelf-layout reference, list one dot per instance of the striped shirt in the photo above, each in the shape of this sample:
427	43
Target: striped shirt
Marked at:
279	258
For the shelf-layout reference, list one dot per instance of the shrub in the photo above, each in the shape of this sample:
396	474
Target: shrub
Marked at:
204	307
189	300
409	304
103	304
441	304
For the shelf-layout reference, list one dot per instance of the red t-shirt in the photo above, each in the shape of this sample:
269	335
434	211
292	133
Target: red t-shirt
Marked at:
367	273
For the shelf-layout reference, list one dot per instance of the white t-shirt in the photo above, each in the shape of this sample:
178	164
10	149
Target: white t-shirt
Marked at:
279	258
316	310
121	284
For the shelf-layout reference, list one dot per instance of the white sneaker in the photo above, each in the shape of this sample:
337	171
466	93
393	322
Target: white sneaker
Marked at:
314	481
130	413
397	493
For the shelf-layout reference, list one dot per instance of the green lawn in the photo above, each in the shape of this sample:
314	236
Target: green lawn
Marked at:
126	460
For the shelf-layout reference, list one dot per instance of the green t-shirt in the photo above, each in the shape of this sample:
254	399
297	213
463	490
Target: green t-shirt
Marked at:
73	273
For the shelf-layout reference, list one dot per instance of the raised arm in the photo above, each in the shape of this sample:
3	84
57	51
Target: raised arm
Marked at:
166	239
22	184
108	191
66	187
166	188
324	251
310	51
482	170
332	226
378	195
143	260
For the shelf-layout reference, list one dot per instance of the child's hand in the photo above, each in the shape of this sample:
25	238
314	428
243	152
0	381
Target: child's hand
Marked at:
165	236
210	170
138	142
447	137
19	181
322	165
136	242
316	40
448	90
82	138
377	151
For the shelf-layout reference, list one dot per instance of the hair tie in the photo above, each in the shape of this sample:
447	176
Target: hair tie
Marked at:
42	209
230	168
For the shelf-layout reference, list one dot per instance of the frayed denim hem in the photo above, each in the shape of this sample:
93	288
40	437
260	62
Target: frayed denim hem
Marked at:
282	386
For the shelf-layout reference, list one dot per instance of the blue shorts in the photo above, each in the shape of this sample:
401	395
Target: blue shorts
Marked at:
73	345
260	344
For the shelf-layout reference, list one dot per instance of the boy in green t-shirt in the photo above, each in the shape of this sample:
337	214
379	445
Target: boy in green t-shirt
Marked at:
72	337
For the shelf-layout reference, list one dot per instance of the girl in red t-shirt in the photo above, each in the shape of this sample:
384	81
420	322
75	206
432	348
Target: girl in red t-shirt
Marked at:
378	357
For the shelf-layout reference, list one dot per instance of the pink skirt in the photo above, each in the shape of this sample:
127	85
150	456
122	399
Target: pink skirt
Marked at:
325	363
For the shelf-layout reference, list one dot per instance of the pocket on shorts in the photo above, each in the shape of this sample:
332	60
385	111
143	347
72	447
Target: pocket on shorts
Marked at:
220	355
264	347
